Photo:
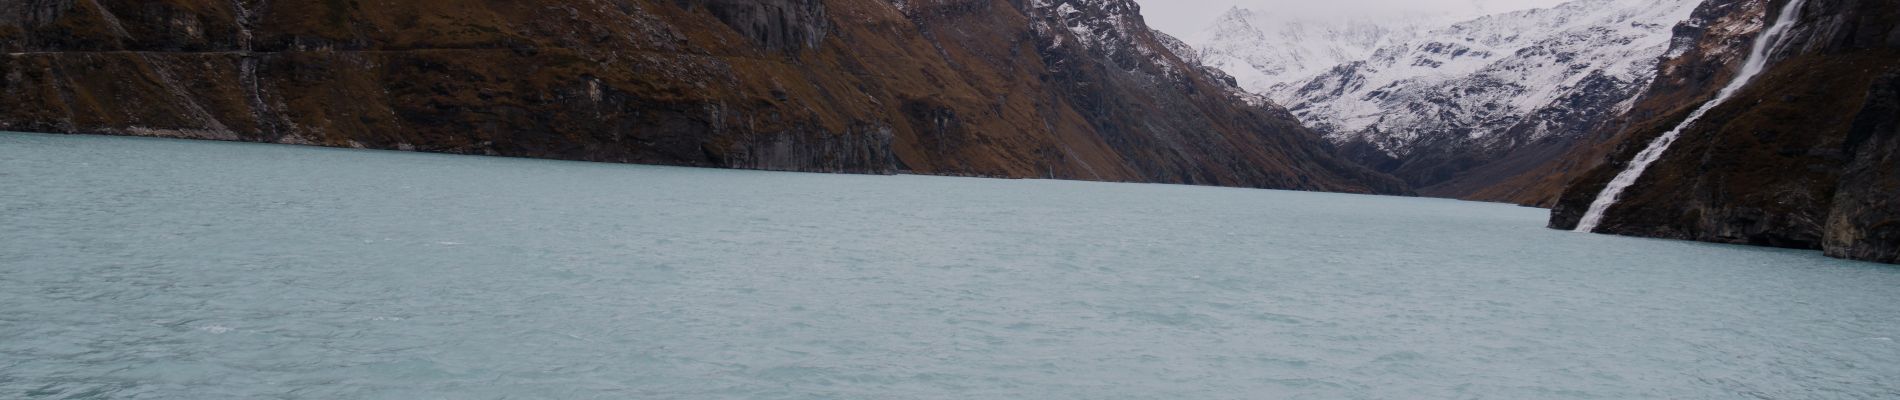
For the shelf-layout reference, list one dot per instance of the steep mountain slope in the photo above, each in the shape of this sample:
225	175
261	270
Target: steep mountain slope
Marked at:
1704	50
1076	89
1492	90
1804	157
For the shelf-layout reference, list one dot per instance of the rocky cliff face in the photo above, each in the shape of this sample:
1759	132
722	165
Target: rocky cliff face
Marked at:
1864	221
1804	157
1075	89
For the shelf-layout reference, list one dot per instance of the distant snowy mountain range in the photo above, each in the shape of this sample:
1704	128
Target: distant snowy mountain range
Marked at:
1268	51
1267	45
1428	97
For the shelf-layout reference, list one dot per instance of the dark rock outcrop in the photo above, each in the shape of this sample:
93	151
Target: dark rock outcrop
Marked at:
1801	158
1864	222
782	25
954	87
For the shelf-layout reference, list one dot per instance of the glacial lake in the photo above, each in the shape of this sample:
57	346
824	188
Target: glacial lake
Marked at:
165	269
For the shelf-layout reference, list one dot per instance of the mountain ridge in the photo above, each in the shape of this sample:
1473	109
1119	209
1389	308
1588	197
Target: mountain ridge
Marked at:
1458	99
951	87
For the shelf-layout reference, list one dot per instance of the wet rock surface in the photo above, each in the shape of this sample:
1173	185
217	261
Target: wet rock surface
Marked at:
1802	158
1864	222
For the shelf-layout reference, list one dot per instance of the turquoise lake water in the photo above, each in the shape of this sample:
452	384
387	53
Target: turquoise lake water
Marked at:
164	269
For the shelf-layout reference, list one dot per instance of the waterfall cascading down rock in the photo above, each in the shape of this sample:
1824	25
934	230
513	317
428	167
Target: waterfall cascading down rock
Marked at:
1758	56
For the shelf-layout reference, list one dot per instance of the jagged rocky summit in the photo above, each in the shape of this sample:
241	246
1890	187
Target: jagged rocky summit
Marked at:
1071	89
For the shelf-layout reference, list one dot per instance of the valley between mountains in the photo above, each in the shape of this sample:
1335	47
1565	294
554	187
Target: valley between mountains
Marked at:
1540	107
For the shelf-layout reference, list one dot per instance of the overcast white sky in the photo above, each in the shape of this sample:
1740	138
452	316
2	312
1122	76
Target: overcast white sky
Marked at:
1184	18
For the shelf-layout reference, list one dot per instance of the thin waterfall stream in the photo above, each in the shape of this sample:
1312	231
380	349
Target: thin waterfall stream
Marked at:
1758	57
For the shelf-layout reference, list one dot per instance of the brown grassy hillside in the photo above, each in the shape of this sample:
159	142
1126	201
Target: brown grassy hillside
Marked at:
959	87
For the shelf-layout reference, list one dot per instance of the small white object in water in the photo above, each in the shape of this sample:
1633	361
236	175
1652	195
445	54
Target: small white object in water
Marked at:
216	329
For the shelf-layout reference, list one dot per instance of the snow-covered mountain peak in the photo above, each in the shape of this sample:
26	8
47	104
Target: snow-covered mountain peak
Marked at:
1490	67
1268	50
1426	103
